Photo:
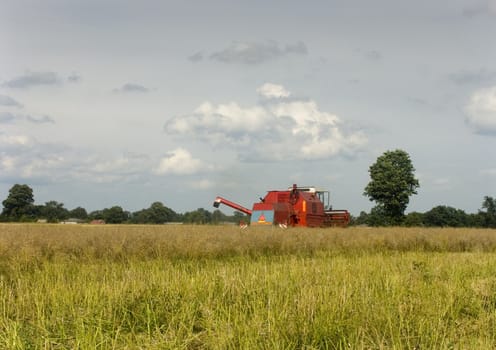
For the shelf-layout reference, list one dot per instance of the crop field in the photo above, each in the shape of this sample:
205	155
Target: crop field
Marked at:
219	287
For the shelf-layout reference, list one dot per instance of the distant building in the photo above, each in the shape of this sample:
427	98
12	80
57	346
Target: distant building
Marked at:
97	222
72	221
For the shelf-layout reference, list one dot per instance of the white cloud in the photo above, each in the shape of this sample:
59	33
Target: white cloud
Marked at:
180	162
278	129
481	111
269	90
124	168
41	167
23	157
201	184
7	163
14	140
126	163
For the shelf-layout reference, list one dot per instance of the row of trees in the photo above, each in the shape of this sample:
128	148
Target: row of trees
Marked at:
19	206
439	216
392	183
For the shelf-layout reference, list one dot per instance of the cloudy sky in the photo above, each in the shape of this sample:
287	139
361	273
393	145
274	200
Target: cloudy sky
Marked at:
106	102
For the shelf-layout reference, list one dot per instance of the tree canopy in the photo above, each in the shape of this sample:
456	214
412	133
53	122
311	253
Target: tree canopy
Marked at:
392	183
115	215
489	214
19	204
445	216
54	211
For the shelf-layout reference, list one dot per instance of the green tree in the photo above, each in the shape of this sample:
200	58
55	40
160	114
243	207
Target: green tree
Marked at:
361	219
445	216
239	217
159	214
392	183
378	217
414	219
140	217
78	213
115	215
218	217
489	215
19	204
476	219
54	211
199	216
96	215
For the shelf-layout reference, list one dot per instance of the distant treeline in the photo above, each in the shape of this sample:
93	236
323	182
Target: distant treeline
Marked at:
439	216
19	207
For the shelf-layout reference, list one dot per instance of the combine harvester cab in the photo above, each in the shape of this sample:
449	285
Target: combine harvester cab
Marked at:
297	206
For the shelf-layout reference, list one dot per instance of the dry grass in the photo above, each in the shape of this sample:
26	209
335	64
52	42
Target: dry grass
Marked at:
198	287
174	241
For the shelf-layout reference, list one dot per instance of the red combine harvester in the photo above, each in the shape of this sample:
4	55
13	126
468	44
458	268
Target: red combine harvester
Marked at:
297	206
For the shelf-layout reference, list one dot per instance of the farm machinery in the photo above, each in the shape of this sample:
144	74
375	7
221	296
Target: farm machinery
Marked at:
296	206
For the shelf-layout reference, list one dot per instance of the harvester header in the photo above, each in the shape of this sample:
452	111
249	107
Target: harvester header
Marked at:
296	206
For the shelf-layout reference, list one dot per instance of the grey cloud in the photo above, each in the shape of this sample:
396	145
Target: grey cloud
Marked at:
9	101
298	48
485	8
131	87
6	117
417	101
481	76
40	120
481	128
74	78
197	57
373	55
257	52
31	79
472	11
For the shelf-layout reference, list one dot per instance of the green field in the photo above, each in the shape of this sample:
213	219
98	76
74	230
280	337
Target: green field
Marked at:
219	287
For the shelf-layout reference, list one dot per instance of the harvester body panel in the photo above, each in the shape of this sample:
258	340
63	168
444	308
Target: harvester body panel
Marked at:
296	206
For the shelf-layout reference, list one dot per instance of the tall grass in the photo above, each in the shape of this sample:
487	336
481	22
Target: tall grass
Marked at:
196	287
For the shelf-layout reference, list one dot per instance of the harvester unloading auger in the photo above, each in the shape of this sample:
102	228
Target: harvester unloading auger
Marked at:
297	206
